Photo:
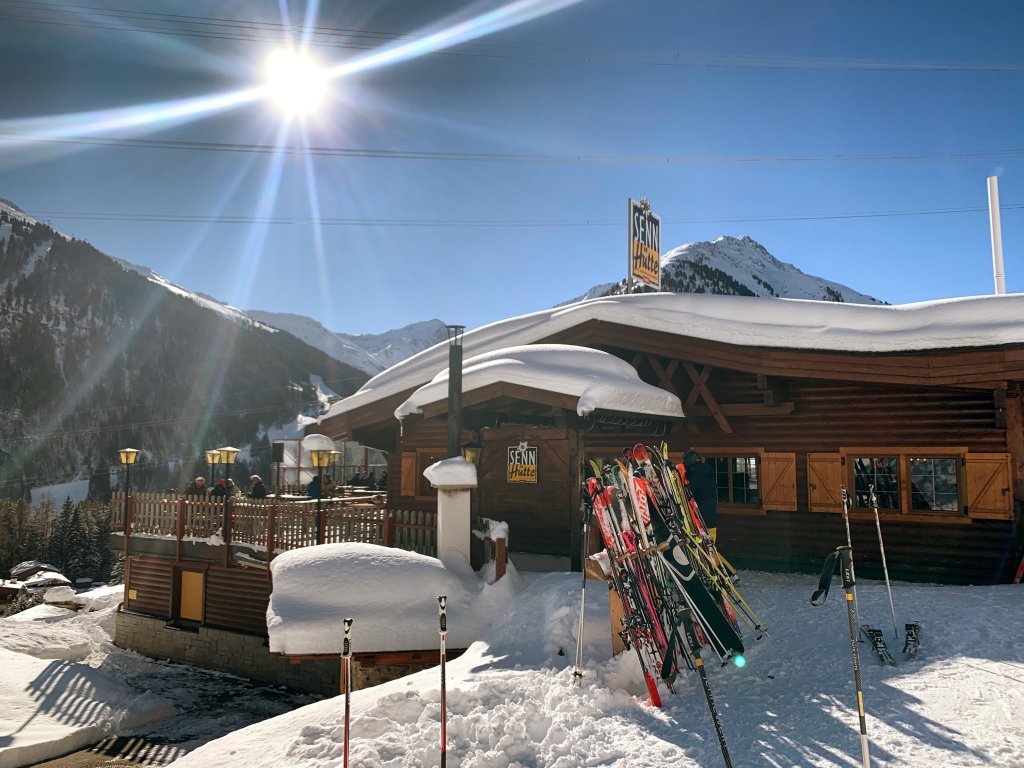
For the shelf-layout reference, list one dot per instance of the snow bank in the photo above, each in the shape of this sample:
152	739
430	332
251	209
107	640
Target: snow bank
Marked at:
52	707
390	594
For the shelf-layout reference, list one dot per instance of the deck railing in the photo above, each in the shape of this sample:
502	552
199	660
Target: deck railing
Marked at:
272	525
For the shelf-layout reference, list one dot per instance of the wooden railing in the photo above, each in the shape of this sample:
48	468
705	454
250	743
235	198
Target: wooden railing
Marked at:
272	525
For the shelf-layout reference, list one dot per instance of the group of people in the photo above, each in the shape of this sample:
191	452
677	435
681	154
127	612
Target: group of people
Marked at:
226	487
371	481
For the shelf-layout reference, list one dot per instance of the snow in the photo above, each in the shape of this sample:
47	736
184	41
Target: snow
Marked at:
455	472
976	321
512	702
600	380
391	594
65	686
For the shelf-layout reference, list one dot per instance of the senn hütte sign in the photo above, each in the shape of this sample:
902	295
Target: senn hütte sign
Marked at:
522	463
644	243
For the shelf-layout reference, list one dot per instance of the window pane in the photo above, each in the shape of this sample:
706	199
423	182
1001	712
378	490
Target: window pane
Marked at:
881	472
721	467
934	484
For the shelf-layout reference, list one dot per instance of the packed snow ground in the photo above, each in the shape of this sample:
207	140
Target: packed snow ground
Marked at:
512	702
64	685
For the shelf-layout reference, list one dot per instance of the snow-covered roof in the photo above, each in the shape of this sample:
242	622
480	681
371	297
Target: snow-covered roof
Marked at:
600	380
976	321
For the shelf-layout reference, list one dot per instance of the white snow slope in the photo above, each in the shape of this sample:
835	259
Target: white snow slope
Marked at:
512	702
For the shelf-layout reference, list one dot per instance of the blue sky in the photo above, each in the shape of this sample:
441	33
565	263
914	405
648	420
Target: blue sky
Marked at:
783	121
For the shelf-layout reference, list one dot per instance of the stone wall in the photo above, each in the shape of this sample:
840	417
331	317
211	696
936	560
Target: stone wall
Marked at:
246	656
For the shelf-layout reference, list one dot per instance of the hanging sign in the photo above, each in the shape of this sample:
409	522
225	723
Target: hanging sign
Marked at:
644	244
522	463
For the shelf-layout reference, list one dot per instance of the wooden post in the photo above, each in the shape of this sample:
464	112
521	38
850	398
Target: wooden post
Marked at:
500	558
179	529
227	531
389	528
271	532
127	525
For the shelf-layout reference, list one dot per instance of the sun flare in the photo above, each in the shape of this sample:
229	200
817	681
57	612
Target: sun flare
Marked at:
295	82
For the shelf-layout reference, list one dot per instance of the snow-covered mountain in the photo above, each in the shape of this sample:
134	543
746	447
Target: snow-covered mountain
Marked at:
739	266
371	353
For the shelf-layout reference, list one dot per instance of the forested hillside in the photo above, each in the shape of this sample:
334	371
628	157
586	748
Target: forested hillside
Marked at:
97	357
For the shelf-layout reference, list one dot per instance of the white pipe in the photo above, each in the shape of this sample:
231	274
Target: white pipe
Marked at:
997	234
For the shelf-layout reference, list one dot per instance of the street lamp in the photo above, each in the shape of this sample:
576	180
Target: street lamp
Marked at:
212	458
454	388
128	457
471	452
227	458
321	458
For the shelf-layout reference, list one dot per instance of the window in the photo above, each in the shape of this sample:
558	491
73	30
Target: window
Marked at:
738	479
413	463
933	484
882	472
908	480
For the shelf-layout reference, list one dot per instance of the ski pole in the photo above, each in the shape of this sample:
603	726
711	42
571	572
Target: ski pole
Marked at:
442	628
577	672
849	542
844	556
346	655
698	662
885	568
849	583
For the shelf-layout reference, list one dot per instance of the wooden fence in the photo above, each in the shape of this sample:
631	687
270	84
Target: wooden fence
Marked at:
272	525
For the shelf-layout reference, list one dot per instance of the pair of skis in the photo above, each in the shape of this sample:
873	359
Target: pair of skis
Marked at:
346	660
912	630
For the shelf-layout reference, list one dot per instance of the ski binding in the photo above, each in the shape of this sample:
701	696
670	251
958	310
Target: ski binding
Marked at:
913	640
878	643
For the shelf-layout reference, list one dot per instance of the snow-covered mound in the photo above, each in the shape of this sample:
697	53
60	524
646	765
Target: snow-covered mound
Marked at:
390	594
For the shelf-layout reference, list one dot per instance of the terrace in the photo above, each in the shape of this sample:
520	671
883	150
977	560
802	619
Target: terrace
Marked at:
250	532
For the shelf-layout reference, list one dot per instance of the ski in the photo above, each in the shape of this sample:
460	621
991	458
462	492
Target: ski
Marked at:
877	640
912	643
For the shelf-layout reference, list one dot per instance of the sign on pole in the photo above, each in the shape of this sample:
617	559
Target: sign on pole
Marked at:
644	245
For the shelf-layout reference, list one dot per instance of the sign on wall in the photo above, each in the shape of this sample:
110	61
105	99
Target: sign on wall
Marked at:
644	244
522	463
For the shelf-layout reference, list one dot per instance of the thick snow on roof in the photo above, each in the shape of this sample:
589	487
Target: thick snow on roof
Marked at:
976	321
598	379
390	594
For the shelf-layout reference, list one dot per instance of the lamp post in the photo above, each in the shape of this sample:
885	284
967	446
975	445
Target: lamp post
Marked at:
454	389
128	457
471	451
227	458
321	458
212	458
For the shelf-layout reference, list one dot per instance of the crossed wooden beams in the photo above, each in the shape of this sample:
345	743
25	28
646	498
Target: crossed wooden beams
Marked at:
699	390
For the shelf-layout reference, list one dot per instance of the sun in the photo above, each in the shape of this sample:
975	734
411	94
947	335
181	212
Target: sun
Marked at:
294	82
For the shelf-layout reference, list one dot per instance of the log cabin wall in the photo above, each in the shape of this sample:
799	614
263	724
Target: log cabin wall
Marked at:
826	417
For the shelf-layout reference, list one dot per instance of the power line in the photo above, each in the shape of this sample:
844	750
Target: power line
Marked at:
248	30
170	218
993	155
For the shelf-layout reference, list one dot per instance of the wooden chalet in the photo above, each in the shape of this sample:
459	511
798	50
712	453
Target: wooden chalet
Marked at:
790	401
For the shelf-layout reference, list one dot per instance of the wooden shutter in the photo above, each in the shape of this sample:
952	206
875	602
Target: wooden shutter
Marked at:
778	479
410	480
988	485
824	476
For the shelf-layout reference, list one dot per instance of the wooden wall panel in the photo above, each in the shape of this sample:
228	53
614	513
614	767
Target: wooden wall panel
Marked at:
150	581
236	598
538	515
786	541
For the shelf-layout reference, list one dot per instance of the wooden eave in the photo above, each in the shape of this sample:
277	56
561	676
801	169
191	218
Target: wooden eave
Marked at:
981	368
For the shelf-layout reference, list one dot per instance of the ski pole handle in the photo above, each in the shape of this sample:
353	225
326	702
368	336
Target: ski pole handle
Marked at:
346	646
846	568
442	615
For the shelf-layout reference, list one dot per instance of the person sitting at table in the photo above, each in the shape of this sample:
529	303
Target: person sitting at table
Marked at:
328	486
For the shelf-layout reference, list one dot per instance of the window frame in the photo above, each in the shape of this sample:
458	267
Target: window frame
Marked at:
904	455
